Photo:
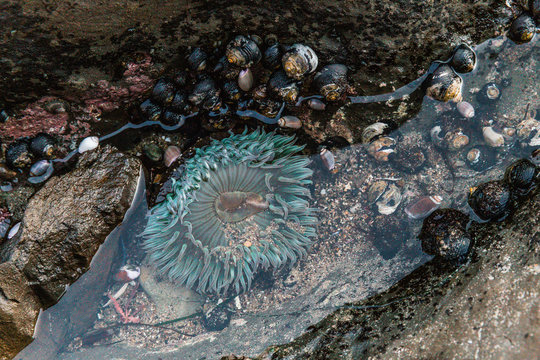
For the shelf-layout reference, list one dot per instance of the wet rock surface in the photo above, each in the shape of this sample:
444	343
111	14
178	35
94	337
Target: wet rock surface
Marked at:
486	309
44	52
63	226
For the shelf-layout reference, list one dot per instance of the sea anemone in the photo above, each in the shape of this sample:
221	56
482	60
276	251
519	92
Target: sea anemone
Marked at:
241	203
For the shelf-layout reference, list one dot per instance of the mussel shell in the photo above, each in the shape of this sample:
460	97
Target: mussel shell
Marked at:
331	81
464	59
150	110
299	60
42	145
164	91
283	87
197	59
444	84
39	168
522	29
272	57
444	235
18	154
522	176
491	200
481	158
231	91
243	51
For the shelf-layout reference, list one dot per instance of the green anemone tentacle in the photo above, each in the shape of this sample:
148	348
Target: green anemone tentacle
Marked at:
194	244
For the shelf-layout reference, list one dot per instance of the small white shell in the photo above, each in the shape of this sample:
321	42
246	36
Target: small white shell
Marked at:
328	159
492	138
171	154
290	121
465	109
316	104
127	273
373	130
89	143
245	79
14	230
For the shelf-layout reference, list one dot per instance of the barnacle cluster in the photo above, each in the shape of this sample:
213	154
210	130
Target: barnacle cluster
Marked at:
240	204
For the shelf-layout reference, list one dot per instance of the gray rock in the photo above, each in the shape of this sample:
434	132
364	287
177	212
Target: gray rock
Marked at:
172	301
63	226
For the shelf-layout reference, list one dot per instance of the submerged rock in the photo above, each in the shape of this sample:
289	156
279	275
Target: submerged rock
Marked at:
63	226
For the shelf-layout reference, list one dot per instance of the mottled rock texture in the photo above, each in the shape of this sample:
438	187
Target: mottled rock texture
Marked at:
63	226
47	45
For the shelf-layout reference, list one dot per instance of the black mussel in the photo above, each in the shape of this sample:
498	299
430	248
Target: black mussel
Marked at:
464	59
444	234
481	158
283	87
243	51
299	60
489	93
231	91
272	57
18	154
197	60
180	78
491	200
522	29
522	176
150	110
164	91
331	81
444	84
226	70
170	117
205	92
179	102
42	145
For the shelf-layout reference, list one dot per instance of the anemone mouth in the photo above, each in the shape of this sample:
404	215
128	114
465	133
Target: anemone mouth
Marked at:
240	205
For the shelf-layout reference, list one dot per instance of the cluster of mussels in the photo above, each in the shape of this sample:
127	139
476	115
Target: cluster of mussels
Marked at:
252	75
444	232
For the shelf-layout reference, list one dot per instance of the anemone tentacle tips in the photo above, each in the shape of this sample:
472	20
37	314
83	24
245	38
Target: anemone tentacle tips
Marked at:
241	204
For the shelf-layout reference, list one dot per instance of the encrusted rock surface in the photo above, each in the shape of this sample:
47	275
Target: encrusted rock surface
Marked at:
63	226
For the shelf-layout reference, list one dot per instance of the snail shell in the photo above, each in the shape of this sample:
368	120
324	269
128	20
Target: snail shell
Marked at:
492	137
164	91
89	143
283	87
489	93
179	102
243	52
206	93
528	132
464	59
150	110
381	147
327	159
42	145
169	117
444	84
423	207
232	91
389	200
299	60
39	168
444	234
481	158
522	176
465	109
197	60
18	154
171	154
272	56
316	104
245	79
331	81
491	200
290	121
522	29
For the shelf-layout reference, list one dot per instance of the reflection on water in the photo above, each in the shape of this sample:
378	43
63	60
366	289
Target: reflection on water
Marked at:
371	210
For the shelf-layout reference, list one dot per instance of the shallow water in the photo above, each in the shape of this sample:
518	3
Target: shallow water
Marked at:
358	252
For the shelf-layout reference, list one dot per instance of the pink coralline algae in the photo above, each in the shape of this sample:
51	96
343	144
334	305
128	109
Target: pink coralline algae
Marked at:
36	118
